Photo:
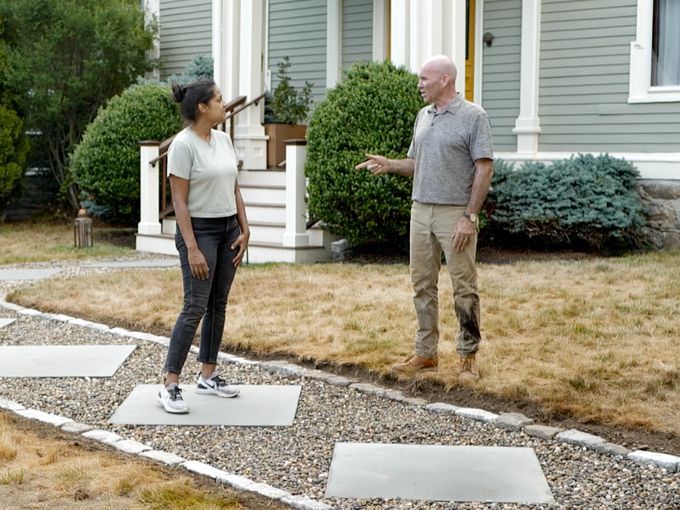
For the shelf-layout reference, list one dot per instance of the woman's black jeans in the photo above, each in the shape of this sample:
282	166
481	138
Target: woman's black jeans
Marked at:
205	299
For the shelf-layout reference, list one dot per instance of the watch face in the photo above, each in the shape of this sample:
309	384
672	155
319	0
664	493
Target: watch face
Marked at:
473	218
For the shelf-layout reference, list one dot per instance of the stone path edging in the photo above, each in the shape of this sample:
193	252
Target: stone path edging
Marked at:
509	421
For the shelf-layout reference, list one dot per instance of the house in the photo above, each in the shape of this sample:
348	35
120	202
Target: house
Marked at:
556	77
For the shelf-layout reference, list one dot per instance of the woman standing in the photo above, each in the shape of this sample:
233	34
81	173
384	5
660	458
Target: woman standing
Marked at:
212	237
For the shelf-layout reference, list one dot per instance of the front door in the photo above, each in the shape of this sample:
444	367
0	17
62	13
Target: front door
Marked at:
470	51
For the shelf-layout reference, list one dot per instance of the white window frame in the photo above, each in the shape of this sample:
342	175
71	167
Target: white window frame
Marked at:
640	87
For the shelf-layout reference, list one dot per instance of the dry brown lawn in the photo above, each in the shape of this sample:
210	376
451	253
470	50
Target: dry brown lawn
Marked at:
597	339
42	242
41	470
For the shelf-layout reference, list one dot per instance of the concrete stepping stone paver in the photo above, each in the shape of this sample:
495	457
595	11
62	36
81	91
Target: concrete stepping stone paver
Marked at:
256	406
62	360
437	473
134	263
27	274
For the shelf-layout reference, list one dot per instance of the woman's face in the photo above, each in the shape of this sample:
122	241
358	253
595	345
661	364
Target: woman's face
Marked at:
214	108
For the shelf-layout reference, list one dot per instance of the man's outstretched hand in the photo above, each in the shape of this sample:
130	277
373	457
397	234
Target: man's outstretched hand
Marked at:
377	165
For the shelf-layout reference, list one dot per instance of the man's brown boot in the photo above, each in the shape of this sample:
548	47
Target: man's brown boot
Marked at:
469	373
415	363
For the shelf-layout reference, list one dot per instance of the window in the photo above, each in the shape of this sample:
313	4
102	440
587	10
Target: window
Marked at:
666	43
655	53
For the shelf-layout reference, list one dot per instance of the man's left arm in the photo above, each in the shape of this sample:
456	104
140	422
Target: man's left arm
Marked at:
480	185
465	227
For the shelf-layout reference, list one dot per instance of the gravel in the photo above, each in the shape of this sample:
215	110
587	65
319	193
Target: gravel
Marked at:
297	459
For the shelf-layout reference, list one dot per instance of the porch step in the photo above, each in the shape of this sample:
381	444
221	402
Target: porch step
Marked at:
258	251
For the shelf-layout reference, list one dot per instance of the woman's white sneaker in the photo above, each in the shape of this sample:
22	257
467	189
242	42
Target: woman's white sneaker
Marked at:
170	397
215	385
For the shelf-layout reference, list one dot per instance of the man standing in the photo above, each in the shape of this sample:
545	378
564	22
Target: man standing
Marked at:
450	160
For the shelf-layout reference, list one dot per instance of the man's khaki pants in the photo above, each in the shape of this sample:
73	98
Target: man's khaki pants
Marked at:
431	233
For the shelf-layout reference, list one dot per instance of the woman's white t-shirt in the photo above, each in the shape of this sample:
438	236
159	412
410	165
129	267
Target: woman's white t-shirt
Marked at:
210	168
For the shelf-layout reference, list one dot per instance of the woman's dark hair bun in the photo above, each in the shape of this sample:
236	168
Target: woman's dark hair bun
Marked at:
178	92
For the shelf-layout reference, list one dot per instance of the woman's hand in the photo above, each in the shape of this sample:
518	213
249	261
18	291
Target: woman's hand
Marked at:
242	244
198	264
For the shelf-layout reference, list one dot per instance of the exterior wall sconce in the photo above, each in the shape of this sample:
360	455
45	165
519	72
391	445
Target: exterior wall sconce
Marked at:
488	38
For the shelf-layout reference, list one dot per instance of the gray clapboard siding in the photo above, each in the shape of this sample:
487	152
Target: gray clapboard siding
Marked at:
357	31
185	31
297	30
501	70
584	75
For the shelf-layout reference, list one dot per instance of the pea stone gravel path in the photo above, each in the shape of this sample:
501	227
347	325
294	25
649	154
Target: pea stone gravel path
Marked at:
297	459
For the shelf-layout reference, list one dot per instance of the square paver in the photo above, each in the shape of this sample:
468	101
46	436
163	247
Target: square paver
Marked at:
4	321
437	473
62	360
27	274
162	262
256	406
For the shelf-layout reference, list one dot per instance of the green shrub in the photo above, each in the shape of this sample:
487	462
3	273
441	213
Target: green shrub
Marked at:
371	111
105	165
13	150
583	202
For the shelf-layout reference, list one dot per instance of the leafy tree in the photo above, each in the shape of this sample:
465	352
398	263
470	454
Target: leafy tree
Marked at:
13	143
64	60
13	149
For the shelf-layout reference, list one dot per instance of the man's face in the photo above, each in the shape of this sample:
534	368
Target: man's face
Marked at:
431	84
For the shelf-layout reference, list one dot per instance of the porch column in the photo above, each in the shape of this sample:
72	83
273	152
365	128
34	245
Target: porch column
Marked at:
527	125
296	187
149	222
225	46
249	138
400	33
333	42
422	29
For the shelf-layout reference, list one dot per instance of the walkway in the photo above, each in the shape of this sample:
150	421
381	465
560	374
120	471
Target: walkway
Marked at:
292	463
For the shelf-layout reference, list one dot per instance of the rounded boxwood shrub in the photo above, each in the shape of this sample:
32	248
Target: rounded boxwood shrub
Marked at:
371	111
105	165
13	150
583	202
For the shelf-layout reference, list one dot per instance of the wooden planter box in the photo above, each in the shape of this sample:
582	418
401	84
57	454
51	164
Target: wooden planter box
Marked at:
277	133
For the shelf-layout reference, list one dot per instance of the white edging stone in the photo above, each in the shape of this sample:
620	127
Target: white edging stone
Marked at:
103	436
131	446
476	414
204	469
512	421
304	503
282	367
10	405
53	419
611	449
578	438
369	389
74	427
167	458
442	407
664	460
542	431
270	491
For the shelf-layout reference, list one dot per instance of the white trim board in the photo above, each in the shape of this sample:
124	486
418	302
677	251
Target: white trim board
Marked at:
657	165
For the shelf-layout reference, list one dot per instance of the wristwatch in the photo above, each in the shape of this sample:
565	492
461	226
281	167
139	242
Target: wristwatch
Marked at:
471	216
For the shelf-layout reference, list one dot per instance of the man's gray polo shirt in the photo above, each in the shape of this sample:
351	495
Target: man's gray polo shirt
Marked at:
445	146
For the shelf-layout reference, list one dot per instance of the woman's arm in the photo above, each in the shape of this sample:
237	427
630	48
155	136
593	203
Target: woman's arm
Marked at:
242	239
180	201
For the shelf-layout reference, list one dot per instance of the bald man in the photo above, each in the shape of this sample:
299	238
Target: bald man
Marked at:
450	160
